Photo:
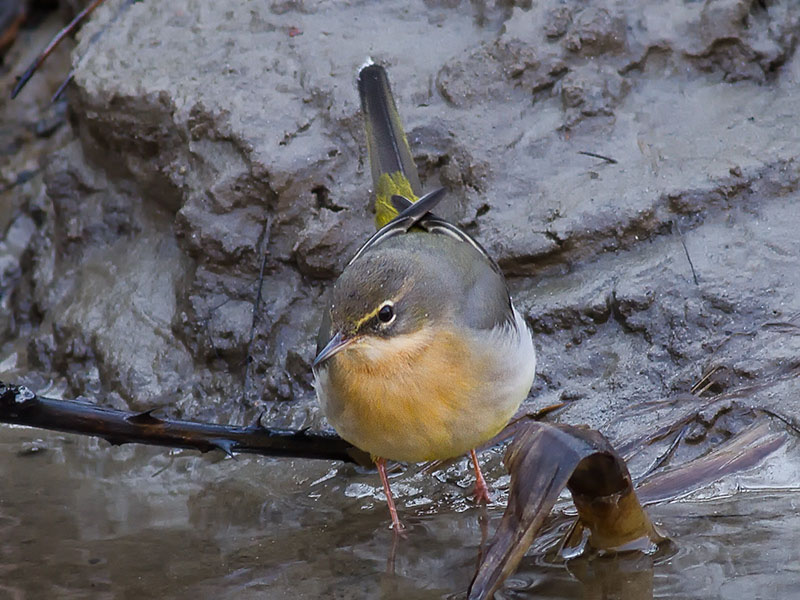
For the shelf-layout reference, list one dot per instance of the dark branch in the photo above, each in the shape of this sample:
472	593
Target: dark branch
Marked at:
20	406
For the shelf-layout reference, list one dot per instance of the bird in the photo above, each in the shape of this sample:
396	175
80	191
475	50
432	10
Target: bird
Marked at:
421	354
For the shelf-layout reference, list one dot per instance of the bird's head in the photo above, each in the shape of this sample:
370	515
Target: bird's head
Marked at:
383	306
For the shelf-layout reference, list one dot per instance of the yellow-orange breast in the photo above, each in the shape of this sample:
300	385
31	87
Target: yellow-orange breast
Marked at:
422	396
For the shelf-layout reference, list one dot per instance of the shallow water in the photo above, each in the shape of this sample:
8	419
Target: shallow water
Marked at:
79	519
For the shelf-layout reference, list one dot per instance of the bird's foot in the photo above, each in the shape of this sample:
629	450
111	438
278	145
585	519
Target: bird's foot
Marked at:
481	493
396	526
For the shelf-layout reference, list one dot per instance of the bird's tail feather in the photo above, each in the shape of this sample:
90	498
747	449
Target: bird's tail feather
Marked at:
390	159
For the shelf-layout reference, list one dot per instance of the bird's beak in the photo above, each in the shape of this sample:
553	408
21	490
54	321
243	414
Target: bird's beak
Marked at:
336	343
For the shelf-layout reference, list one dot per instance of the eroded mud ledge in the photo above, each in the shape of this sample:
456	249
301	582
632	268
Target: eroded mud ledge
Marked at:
204	139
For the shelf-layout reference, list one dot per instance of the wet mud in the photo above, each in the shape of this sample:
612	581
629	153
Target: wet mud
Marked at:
209	156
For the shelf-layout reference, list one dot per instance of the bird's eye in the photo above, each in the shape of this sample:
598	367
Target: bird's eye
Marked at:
386	313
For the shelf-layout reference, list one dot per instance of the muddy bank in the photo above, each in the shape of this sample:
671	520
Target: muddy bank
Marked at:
200	145
210	136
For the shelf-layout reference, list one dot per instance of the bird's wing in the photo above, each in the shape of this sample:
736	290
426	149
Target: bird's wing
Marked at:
419	214
413	213
434	224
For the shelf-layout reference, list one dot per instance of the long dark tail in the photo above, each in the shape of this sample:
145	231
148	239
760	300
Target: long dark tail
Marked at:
390	159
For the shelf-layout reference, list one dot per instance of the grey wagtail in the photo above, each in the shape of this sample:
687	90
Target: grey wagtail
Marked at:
421	354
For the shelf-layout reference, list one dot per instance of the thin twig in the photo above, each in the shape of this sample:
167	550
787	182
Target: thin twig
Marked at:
686	250
703	381
29	72
789	422
63	86
256	312
70	76
22	177
608	159
662	459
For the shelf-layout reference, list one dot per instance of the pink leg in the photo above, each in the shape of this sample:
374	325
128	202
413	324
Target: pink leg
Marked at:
397	526
481	489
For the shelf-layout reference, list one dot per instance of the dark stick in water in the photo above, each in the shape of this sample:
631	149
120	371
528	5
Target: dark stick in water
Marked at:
20	406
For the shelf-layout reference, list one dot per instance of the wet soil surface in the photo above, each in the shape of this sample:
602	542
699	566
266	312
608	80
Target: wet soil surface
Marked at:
197	139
